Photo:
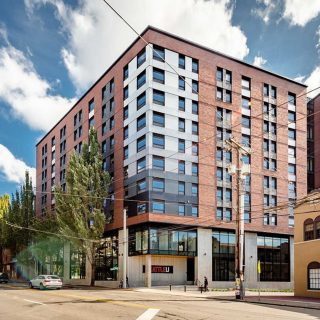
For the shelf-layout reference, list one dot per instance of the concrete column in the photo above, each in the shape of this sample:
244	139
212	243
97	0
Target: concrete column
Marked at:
66	262
148	273
251	260
204	261
120	255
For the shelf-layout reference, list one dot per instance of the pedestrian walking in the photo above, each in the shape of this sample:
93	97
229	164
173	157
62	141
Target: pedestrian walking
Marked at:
127	282
205	284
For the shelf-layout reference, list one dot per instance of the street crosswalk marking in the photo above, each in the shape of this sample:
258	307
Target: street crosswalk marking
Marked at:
148	314
36	302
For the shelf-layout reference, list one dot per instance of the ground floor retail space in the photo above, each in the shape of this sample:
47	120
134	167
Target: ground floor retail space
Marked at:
160	256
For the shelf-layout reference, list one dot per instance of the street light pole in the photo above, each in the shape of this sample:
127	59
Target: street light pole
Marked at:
124	266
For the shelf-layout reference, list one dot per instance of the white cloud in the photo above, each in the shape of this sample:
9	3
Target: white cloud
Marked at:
96	36
26	94
296	12
313	81
300	12
13	169
259	61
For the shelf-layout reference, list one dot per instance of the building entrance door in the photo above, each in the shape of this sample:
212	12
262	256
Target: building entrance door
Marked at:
190	270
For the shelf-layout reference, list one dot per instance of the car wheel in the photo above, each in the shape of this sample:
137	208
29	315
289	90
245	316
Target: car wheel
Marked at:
30	285
41	286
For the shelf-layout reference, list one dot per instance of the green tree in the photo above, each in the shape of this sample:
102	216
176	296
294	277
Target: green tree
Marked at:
20	213
4	207
80	210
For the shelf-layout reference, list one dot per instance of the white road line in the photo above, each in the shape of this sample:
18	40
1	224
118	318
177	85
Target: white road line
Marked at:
148	314
36	302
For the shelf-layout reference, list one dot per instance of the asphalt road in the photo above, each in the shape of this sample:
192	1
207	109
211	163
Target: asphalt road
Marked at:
23	303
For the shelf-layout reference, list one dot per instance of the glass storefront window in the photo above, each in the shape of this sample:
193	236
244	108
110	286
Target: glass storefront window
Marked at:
156	240
223	256
273	253
77	263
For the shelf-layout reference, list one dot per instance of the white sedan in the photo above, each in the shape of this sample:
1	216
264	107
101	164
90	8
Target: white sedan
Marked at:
46	282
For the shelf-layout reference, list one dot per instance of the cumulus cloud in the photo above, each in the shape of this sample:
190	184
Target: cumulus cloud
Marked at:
313	81
13	169
96	36
300	12
259	61
296	12
26	94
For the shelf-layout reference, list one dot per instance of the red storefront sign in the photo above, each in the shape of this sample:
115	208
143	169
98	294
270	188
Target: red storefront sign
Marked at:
161	269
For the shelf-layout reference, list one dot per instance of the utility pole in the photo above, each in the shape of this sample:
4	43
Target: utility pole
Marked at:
124	266
240	172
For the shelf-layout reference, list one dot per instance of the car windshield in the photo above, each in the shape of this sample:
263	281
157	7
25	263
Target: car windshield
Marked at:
52	277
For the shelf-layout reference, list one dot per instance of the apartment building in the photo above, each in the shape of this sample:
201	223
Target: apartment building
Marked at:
306	247
163	113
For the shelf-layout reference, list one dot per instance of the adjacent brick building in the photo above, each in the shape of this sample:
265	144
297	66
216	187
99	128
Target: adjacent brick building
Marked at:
162	128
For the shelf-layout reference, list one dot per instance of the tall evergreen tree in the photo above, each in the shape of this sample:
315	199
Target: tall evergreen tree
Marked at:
80	210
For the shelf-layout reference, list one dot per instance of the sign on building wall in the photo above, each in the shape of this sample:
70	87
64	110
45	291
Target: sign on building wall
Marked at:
159	269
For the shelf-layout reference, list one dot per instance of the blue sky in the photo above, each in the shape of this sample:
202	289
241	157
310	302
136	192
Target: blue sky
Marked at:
52	50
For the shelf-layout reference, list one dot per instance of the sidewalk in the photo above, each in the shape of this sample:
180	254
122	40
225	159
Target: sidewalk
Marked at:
270	298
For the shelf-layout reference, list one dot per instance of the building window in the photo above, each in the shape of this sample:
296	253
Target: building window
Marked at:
125	113
245	103
141	100
182	83
265	90
141	79
181	145
219	93
112	142
141	208
195	87
194	169
219	74
195	65
194	211
141	122
181	125
182	210
125	92
158	119
182	61
182	104
274	256
158	206
125	153
228	77
292	134
125	132
111	124
195	150
141	164
273	92
181	167
195	107
314	276
223	256
141	143
246	122
158	53
246	83
125	72
195	129
91	105
158	75
104	147
194	190
158	141
291	168
158	97
181	188
158	163
141	57
292	98
308	229
142	185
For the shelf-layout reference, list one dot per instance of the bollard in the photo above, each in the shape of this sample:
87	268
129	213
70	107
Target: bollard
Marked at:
170	286
185	288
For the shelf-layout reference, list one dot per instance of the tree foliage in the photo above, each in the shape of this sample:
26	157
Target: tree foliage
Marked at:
80	210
